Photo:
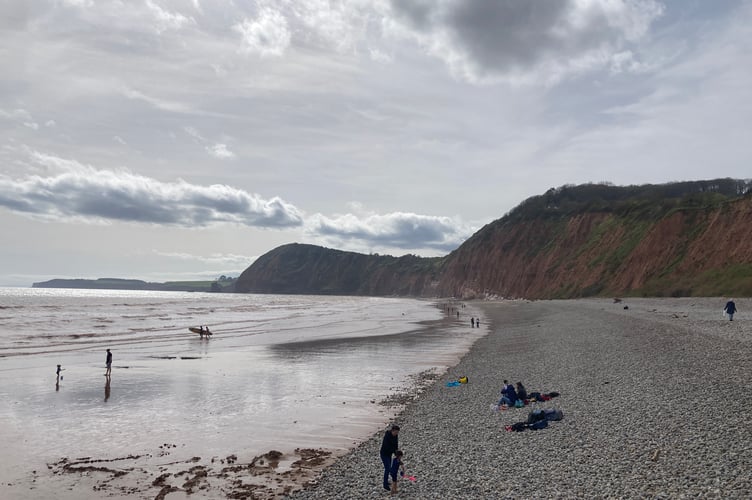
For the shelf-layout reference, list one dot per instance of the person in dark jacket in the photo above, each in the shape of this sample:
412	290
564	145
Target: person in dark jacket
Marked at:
521	392
108	363
388	447
508	395
730	309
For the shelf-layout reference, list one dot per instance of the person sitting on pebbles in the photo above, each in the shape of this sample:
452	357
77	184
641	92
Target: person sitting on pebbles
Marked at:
508	395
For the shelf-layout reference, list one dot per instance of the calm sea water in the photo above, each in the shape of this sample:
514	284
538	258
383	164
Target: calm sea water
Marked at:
280	372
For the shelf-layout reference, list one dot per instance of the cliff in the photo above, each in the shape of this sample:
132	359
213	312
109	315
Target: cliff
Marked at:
310	269
679	239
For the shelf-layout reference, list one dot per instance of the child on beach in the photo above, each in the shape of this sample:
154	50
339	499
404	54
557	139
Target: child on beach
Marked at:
397	470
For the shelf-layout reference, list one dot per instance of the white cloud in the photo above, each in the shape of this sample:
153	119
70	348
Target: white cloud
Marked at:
16	114
379	56
78	3
159	103
86	194
50	123
166	20
217	150
220	151
191	131
266	35
393	230
21	116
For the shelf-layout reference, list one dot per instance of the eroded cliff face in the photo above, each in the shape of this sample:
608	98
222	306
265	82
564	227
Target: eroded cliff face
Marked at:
682	252
689	252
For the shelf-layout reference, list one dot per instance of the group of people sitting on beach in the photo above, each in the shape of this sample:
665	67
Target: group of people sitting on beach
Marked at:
517	396
510	395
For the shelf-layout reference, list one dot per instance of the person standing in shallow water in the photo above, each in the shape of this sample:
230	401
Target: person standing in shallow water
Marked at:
108	362
730	309
389	445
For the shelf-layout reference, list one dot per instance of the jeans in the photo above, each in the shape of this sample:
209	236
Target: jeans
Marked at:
387	461
505	400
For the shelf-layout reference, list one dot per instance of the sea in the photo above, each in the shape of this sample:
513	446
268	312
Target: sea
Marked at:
280	371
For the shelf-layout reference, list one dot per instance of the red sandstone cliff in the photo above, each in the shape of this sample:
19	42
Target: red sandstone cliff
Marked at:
677	239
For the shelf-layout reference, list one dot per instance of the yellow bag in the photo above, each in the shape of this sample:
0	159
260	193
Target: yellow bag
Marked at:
462	380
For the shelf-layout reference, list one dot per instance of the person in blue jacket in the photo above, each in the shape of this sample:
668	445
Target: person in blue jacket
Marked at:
389	445
508	395
730	309
397	470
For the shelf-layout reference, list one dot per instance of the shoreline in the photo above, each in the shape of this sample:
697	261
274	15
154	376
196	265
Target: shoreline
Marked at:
176	463
655	395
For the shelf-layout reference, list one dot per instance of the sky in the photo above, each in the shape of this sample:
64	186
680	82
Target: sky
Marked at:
173	140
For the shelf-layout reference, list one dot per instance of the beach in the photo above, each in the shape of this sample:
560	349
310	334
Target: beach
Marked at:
285	385
655	393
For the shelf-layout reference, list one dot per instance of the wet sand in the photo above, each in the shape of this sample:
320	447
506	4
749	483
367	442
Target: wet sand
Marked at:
207	418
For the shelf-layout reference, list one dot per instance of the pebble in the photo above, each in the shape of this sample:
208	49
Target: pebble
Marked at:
649	411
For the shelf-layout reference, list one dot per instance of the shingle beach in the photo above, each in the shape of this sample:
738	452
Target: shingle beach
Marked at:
656	397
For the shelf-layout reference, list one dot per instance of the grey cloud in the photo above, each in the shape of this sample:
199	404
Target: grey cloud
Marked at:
87	194
396	230
525	41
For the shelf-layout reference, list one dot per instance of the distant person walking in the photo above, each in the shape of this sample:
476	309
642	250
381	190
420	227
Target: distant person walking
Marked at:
108	362
730	309
57	380
472	322
389	446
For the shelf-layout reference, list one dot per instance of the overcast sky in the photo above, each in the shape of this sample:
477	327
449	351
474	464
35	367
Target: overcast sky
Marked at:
181	139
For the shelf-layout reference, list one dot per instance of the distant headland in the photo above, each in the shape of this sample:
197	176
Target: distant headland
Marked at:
221	284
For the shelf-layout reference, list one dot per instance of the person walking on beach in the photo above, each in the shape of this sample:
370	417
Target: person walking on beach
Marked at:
108	362
730	309
472	322
57	381
389	445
